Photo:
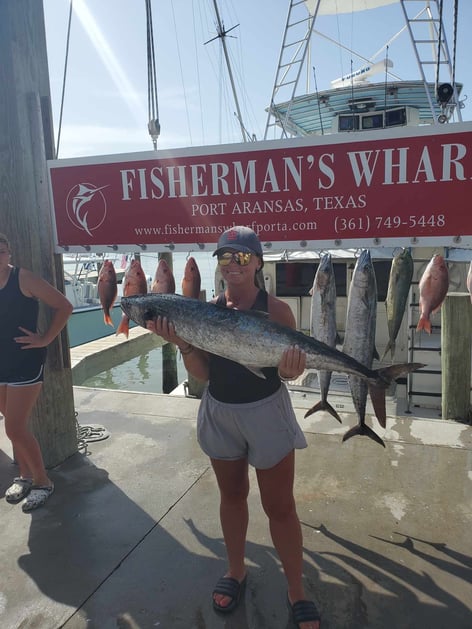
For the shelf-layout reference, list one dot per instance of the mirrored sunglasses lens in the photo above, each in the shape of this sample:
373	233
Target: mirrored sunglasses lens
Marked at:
239	257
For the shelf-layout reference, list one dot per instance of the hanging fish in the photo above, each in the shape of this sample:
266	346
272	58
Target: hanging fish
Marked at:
399	282
359	339
433	286
323	324
191	281
107	288
134	283
164	281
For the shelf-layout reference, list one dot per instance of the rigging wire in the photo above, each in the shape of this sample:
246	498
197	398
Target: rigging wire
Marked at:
438	60
181	73
317	96
154	126
64	81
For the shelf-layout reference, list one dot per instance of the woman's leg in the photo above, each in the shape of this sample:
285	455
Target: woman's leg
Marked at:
276	487
233	483
18	404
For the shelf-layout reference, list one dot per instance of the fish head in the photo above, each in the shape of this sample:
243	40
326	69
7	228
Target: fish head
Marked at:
164	281
143	308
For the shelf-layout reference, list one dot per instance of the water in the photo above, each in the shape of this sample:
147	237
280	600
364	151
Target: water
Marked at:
142	374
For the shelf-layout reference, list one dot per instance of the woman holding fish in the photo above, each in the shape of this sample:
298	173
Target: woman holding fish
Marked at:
22	358
245	420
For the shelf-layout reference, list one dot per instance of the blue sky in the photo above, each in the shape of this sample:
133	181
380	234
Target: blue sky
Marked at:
105	106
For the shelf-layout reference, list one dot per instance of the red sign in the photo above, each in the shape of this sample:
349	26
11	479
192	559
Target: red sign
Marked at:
407	187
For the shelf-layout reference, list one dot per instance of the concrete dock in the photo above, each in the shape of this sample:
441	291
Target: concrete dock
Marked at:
131	536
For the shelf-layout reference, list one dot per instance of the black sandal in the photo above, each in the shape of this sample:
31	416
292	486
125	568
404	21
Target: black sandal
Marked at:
233	589
303	611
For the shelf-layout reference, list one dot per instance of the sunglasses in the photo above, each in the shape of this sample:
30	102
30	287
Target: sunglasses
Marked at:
239	257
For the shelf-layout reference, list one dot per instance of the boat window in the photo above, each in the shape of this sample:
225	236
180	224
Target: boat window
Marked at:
374	121
348	123
295	279
394	117
382	274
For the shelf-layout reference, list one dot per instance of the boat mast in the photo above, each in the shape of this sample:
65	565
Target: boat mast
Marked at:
222	33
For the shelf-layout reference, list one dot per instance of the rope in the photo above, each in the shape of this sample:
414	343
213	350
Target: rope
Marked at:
154	126
88	433
64	81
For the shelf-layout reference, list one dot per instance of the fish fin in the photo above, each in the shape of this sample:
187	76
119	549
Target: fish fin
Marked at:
377	395
123	328
323	406
108	320
390	346
424	324
259	314
256	371
385	376
363	429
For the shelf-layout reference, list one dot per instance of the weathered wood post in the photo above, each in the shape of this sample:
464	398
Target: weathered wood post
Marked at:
456	344
169	353
26	141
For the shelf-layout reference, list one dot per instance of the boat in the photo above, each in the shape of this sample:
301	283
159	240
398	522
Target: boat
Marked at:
80	282
368	99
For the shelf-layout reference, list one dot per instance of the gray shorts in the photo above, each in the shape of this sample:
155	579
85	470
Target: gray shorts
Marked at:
264	432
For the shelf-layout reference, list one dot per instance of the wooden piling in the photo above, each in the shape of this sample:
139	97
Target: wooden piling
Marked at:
25	214
456	346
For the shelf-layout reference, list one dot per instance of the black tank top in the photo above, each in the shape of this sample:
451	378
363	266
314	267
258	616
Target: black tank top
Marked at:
232	383
16	310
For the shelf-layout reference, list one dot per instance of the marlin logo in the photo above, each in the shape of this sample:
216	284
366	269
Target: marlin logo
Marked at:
86	206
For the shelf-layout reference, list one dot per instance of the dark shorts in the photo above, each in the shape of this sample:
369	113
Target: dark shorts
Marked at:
264	432
27	368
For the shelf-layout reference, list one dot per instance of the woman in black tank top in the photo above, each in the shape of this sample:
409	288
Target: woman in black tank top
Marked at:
244	420
22	357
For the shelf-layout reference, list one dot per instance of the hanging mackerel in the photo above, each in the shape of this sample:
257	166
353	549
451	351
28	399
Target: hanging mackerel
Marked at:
399	283
323	324
253	341
359	339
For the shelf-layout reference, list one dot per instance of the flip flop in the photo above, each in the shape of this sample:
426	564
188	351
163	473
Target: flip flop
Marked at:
233	589
303	611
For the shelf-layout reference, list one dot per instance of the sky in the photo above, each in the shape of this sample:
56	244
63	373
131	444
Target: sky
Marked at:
105	107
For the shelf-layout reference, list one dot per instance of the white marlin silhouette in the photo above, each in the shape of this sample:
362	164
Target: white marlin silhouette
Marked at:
84	195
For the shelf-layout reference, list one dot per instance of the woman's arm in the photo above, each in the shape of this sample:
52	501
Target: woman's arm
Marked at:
195	360
32	285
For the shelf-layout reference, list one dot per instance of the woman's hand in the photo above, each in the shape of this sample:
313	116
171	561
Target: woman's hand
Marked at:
292	363
162	327
30	340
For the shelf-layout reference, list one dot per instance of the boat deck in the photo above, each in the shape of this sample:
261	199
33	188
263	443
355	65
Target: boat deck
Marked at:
131	537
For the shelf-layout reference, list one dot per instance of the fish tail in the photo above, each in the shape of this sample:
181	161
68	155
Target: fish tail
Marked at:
108	320
123	328
323	405
424	324
363	429
385	377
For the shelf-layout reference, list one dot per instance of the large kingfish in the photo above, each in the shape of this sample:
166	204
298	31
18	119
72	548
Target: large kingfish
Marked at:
399	283
359	338
323	324
253	341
